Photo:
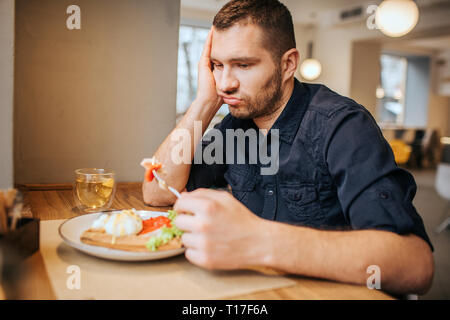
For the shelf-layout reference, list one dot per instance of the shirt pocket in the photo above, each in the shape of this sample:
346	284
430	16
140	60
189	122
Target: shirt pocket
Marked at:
302	201
241	182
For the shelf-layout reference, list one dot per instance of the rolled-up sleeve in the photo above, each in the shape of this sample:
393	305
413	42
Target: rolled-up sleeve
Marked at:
374	193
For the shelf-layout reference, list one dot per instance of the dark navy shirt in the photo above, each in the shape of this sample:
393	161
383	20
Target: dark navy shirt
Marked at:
336	170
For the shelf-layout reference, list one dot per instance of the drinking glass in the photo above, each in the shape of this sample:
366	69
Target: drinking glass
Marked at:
94	189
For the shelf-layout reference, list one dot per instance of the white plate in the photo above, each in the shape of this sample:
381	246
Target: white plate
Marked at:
71	230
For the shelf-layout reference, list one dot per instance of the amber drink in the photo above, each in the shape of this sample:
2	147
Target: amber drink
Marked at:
94	189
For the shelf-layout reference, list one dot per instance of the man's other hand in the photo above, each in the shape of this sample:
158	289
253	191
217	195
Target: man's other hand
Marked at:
221	233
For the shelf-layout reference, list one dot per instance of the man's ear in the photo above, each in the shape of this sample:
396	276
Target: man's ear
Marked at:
289	63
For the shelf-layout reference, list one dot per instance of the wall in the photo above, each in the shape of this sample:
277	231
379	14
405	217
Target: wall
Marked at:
443	73
303	35
417	91
6	92
439	114
438	104
365	71
103	96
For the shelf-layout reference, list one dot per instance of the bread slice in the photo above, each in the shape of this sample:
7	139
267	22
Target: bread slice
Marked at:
136	243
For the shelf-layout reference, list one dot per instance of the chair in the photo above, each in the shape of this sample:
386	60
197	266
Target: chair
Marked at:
417	146
443	189
401	151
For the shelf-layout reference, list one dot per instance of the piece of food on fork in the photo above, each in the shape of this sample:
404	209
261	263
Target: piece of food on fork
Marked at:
150	164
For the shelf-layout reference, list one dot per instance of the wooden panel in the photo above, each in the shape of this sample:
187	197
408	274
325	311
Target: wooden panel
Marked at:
56	201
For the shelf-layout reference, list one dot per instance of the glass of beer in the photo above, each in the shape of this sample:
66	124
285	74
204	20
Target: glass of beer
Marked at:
94	189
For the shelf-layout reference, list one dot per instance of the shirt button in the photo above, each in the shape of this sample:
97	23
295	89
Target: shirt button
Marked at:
384	195
270	192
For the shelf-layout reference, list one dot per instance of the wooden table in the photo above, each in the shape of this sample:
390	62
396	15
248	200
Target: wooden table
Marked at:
48	202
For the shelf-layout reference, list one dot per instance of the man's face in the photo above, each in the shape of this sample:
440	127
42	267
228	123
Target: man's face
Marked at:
245	73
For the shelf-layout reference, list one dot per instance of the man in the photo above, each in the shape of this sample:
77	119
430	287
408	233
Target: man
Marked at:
337	204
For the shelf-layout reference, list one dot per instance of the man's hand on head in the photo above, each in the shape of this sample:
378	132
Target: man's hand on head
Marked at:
222	233
206	91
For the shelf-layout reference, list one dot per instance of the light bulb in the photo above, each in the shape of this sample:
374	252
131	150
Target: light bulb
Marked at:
395	18
379	92
310	69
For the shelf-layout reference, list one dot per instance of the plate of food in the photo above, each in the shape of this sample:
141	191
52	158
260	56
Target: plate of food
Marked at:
125	235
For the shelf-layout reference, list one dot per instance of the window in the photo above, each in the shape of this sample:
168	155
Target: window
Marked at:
403	94
190	47
392	91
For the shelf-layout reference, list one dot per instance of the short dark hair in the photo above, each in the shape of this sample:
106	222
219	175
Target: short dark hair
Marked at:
271	15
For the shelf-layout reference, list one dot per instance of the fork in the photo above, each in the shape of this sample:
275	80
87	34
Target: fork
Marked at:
163	185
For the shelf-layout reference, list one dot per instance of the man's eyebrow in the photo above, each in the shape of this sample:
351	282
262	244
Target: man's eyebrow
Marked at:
240	59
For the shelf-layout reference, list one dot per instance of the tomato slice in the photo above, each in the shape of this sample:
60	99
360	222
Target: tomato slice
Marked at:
149	173
153	224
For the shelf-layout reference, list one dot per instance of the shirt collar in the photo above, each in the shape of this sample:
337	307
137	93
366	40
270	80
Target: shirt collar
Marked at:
290	118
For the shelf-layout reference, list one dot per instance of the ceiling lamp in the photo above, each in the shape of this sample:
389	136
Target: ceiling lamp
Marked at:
311	68
395	18
380	92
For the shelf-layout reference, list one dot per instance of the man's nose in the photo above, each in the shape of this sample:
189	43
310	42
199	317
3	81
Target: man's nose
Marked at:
227	82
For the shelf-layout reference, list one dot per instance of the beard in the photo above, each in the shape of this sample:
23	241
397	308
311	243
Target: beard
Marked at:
264	103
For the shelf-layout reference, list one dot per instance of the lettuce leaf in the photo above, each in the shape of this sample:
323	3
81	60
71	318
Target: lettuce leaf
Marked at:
165	235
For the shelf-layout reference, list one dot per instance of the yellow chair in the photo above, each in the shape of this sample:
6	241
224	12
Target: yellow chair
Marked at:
401	150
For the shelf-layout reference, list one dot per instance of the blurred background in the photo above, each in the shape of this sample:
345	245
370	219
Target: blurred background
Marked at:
106	94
